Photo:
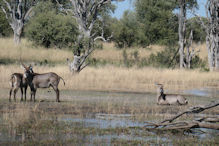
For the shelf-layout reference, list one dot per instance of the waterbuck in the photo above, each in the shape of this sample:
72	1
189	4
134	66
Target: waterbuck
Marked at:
17	81
169	99
45	80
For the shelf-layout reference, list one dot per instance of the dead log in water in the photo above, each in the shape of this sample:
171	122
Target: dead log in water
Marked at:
210	122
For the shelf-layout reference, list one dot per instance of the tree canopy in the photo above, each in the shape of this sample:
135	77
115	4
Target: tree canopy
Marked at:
50	29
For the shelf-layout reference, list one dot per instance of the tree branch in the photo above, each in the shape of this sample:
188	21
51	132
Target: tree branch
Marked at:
102	38
209	122
86	55
182	126
6	14
19	7
28	13
197	109
8	5
9	8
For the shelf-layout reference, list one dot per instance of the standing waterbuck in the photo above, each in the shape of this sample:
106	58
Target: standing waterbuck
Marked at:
45	80
17	81
169	99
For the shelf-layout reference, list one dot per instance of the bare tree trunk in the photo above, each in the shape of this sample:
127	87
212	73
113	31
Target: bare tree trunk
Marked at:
17	38
17	29
212	8
190	52
182	31
16	13
210	53
215	30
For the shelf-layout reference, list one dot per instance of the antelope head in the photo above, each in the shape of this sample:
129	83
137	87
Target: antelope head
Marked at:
27	70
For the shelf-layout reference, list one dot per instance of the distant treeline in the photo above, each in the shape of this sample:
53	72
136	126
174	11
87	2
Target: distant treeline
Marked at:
151	22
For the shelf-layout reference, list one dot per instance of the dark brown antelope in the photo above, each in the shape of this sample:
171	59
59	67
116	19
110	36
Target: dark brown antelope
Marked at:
17	81
45	80
169	99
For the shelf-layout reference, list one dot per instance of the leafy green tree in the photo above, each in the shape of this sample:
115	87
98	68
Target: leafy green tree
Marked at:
158	22
102	27
50	29
126	31
199	34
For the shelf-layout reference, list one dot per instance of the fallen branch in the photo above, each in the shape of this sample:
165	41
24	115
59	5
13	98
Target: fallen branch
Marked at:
197	109
210	122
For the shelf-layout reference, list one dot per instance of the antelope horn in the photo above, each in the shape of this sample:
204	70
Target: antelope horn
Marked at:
23	65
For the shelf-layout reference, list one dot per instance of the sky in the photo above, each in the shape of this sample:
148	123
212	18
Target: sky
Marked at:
128	5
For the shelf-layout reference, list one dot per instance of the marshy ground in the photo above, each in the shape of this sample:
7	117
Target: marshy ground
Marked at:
106	104
96	118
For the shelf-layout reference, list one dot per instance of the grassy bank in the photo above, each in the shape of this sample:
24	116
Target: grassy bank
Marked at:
111	78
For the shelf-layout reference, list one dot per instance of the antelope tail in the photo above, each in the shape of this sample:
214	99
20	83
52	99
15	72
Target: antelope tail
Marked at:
62	80
11	80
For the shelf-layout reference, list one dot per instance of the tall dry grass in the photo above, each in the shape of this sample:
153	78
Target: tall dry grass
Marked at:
107	78
27	52
111	78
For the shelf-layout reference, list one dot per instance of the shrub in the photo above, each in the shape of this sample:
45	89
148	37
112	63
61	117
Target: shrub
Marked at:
52	30
5	29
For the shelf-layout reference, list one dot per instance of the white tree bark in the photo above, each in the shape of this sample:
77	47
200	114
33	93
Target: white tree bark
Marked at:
212	29
182	31
190	51
16	13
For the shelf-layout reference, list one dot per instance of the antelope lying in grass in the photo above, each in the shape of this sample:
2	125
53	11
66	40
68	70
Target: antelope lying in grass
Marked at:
17	81
169	99
45	80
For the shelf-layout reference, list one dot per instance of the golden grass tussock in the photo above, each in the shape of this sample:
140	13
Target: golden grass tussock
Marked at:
111	78
25	51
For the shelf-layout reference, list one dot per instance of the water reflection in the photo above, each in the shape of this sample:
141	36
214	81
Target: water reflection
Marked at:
204	92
